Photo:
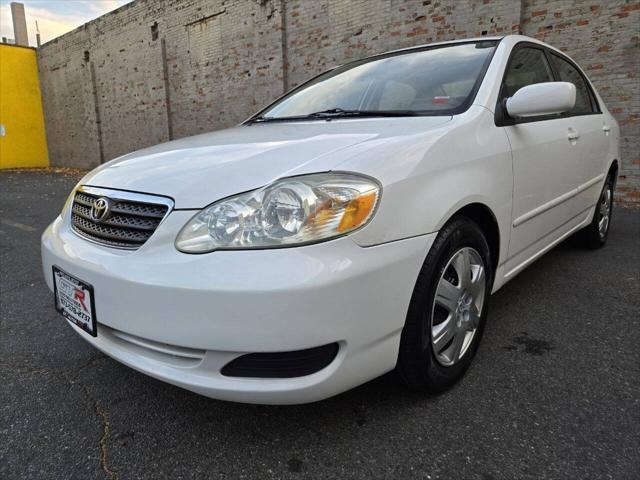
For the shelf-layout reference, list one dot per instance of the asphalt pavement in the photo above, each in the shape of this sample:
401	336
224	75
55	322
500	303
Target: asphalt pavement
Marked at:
554	391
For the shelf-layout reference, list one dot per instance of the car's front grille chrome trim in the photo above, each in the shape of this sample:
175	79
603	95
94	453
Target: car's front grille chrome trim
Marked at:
129	222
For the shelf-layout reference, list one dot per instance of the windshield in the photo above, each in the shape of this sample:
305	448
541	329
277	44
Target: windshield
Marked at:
434	80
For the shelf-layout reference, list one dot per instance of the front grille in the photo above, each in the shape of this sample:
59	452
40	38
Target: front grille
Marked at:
128	224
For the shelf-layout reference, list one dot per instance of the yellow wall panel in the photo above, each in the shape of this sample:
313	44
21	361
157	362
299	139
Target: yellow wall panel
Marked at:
23	142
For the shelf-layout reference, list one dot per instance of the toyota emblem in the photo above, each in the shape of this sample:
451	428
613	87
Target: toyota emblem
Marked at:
100	210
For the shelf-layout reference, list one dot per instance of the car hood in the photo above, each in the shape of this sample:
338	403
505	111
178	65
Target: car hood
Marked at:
199	170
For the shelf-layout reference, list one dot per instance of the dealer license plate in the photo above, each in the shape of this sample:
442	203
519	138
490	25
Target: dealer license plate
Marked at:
75	300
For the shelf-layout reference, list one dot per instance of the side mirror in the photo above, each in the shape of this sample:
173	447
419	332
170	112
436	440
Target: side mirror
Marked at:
542	99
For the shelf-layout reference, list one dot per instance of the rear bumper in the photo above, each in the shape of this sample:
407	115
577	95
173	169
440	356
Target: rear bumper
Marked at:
181	318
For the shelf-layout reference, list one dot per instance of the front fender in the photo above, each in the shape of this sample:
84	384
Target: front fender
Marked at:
425	182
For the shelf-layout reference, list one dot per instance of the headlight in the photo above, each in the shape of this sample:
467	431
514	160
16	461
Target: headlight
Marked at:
291	211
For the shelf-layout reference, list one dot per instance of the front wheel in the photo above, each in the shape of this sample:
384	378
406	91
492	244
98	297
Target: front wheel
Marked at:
448	308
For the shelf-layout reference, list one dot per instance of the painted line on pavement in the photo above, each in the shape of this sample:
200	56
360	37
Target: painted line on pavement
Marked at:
18	225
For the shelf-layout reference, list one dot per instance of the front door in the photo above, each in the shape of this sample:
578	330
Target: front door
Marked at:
545	156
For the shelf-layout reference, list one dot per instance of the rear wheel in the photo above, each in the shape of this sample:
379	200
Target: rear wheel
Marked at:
596	233
448	308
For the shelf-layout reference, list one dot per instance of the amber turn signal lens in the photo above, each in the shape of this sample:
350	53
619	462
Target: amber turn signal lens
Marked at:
358	211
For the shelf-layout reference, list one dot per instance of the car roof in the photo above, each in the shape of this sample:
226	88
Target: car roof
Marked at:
447	42
510	39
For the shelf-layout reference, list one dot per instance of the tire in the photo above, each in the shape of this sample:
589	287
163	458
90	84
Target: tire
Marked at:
427	360
596	233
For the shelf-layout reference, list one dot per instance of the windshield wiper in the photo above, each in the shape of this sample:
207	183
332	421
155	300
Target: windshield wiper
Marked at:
337	113
341	112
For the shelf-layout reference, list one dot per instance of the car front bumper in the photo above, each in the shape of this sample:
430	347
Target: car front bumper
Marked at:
180	318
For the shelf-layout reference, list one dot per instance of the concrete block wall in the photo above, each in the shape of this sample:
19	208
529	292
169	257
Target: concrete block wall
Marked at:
68	102
160	69
155	70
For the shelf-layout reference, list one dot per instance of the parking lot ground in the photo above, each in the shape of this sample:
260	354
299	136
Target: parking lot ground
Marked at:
554	391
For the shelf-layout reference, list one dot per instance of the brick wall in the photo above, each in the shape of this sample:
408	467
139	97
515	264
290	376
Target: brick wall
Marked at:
324	33
159	69
604	38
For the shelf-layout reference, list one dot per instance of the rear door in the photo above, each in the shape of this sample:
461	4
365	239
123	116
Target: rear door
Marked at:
545	162
592	141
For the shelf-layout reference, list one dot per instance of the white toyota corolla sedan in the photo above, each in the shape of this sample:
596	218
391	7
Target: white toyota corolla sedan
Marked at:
358	224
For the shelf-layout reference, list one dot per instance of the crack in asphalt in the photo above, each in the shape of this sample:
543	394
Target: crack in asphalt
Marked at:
87	364
101	413
104	438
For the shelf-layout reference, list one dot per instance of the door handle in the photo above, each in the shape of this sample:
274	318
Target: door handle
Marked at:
606	129
573	135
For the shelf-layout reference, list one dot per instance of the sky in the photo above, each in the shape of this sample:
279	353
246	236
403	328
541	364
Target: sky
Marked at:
55	17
